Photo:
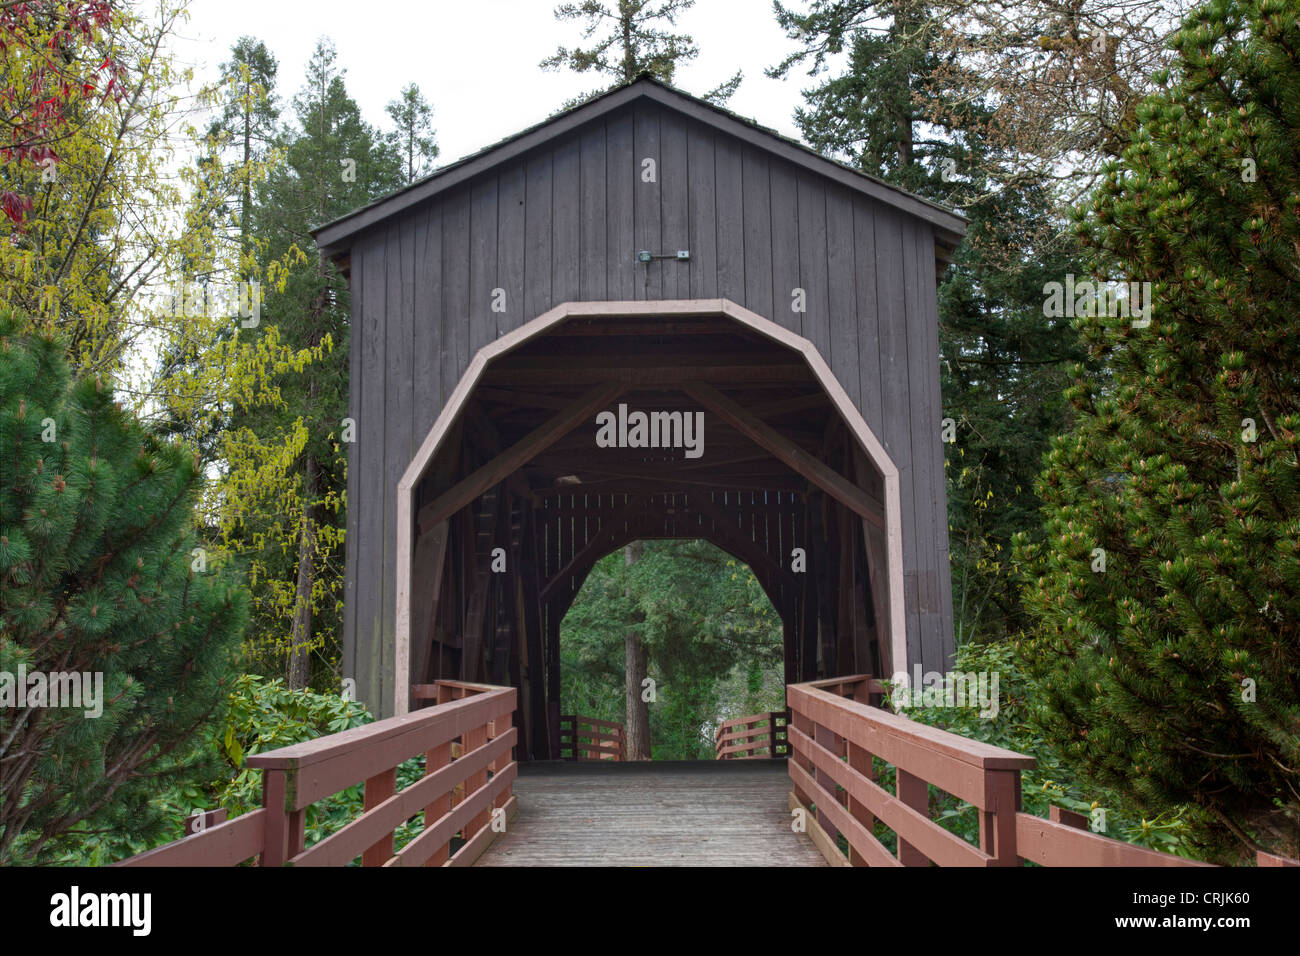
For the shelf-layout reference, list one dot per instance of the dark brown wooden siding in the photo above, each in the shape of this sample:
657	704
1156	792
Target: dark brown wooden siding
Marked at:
564	223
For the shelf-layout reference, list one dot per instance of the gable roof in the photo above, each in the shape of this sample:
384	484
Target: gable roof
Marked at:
334	238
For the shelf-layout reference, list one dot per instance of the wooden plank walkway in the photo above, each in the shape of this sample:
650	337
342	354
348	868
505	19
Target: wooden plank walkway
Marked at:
689	813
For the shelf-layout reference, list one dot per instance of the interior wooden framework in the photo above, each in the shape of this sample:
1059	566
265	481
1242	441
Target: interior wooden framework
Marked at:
512	464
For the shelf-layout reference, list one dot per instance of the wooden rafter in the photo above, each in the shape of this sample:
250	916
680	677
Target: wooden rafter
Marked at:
824	477
465	491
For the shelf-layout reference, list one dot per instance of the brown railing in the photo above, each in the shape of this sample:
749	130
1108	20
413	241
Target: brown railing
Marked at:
586	738
465	793
834	734
758	735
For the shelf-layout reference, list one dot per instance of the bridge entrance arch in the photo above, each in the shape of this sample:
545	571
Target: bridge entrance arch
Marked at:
601	423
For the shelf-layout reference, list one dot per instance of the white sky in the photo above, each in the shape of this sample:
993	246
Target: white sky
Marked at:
476	60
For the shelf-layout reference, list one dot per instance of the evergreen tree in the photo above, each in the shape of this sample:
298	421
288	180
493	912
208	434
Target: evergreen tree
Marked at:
412	137
629	38
102	579
247	118
900	110
1172	670
288	511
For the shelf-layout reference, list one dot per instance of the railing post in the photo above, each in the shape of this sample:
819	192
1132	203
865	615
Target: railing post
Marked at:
998	821
860	760
830	741
284	832
474	739
503	797
914	792
378	789
804	724
435	760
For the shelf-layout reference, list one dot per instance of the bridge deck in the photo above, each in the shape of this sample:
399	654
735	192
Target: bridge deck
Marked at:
696	813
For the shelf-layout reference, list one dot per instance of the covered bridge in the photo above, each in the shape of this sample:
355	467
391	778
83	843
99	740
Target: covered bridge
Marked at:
646	253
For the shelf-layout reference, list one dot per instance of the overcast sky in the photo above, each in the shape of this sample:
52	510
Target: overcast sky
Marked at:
476	60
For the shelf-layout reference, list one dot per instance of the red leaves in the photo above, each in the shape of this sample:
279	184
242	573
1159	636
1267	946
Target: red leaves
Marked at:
37	110
14	206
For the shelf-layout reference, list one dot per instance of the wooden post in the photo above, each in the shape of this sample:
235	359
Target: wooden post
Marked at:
284	831
473	739
378	789
435	760
998	821
860	760
825	737
803	723
912	790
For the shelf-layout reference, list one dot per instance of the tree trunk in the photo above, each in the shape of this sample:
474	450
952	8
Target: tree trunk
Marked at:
300	635
637	725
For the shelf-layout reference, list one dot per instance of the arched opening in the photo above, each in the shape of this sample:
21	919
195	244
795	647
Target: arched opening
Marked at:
669	639
599	424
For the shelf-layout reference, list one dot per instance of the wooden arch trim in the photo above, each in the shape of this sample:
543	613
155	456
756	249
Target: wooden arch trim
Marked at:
866	439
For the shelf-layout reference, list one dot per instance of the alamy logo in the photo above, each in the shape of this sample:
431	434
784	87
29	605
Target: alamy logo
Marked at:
75	908
241	300
651	430
78	690
1086	299
953	689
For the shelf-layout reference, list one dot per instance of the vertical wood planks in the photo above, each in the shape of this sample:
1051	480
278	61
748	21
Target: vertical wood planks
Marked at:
842	300
674	190
729	205
647	213
538	207
398	413
813	276
428	322
490	252
370	478
890	236
925	424
566	194
592	271
455	289
783	189
757	232
703	214
623	177
353	526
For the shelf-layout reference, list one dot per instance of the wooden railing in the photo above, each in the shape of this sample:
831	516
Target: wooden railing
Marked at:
834	733
758	735
586	738
466	794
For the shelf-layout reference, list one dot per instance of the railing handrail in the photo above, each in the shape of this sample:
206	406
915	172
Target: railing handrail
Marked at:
835	736
942	743
459	792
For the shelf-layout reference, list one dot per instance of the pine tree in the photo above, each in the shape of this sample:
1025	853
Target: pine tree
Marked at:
900	110
1168	589
100	573
246	119
631	39
288	462
413	136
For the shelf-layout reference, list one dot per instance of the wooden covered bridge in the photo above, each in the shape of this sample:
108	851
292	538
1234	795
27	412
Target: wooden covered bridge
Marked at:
645	254
772	316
